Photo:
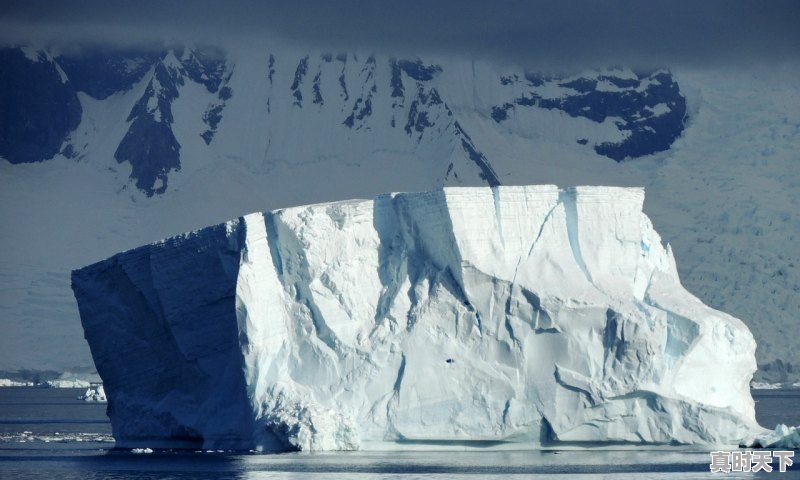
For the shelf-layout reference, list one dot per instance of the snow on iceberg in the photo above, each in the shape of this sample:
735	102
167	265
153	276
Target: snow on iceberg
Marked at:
506	316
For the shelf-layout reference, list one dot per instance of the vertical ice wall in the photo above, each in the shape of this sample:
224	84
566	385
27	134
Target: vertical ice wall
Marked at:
161	322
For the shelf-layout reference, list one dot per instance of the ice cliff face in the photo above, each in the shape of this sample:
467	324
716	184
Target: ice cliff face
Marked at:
464	316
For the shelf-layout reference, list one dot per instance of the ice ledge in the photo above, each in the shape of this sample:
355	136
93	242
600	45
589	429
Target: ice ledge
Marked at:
523	315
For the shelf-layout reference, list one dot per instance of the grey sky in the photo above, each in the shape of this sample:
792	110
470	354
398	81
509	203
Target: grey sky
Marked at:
528	32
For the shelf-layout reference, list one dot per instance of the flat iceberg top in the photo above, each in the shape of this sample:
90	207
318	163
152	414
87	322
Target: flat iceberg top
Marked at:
524	315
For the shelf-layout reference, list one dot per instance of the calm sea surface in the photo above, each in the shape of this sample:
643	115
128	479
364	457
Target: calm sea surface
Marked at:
48	434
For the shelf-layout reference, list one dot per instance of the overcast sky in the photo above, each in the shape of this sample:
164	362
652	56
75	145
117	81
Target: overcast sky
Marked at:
648	33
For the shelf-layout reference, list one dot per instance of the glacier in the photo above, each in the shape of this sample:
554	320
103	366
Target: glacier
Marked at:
487	317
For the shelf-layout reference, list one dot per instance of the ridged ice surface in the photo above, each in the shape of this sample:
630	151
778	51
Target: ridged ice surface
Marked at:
487	317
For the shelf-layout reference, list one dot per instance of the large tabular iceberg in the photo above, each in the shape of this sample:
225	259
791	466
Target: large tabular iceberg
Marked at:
506	316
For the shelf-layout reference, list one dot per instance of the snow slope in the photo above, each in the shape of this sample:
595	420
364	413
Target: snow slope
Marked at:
520	315
284	135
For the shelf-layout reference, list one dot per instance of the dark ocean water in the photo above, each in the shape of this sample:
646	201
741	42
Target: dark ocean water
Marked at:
49	434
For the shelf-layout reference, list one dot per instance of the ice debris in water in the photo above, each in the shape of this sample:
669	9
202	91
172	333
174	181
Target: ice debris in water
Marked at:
57	437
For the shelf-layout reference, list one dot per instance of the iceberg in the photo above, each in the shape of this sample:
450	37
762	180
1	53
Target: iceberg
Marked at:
66	383
765	386
782	437
504	317
5	382
94	394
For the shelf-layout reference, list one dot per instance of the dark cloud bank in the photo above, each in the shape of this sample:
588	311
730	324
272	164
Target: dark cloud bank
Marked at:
558	32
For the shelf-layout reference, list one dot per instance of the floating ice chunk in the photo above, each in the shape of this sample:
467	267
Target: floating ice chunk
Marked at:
95	393
781	437
141	450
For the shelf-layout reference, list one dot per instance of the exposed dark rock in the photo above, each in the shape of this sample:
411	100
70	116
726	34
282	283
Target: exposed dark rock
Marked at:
299	74
39	108
101	72
150	145
648	132
205	65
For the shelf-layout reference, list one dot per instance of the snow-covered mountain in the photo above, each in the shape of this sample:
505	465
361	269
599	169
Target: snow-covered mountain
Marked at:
109	149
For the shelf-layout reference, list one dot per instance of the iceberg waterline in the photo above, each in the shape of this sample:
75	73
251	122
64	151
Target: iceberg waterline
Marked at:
505	316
